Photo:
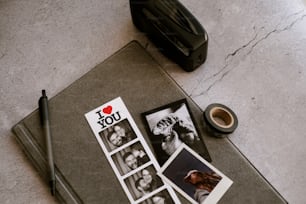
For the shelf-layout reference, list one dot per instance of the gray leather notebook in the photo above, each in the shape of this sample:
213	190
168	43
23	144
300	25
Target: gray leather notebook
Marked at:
83	173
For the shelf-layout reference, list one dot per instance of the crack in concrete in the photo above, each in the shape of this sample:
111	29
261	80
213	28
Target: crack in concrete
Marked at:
242	47
226	64
276	30
2	55
234	53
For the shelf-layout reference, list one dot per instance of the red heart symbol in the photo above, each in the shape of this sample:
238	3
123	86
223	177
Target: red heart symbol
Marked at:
107	110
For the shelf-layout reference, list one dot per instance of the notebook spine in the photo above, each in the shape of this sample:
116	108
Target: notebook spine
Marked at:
64	192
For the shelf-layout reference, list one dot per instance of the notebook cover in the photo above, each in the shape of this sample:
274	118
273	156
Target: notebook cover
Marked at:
82	172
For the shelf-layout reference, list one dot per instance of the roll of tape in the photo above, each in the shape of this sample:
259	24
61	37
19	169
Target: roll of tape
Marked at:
220	120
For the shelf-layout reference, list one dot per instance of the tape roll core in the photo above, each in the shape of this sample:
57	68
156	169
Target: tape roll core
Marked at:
220	120
222	117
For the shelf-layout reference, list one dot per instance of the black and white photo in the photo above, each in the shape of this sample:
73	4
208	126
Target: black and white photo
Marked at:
144	182
130	158
117	135
171	125
162	197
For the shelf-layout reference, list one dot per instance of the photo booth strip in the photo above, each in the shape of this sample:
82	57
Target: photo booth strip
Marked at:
128	160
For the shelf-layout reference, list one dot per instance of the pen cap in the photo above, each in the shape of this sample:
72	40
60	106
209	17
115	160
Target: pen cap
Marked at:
43	106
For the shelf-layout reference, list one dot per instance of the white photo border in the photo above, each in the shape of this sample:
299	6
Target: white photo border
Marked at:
217	192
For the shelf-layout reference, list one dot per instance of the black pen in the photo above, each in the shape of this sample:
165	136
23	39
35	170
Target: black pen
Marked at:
44	116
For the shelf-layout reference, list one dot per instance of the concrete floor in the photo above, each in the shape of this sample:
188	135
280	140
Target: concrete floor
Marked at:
256	66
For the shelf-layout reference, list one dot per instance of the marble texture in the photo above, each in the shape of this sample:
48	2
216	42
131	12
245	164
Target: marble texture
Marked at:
255	65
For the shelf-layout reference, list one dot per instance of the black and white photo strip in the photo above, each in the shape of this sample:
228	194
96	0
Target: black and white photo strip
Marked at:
195	178
171	125
130	157
139	174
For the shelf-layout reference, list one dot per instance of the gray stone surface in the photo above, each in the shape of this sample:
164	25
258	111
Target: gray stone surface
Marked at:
256	65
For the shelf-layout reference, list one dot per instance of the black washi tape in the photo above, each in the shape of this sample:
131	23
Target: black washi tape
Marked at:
220	120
